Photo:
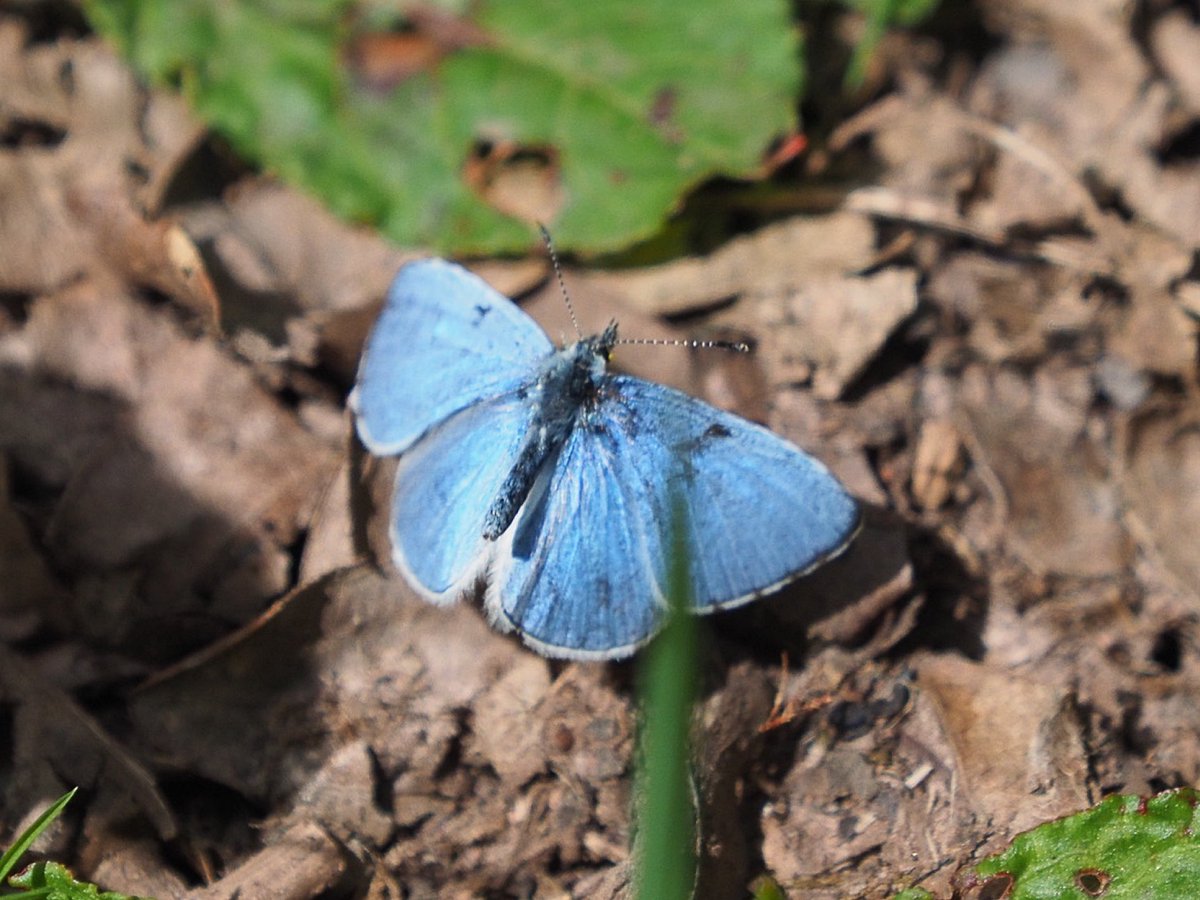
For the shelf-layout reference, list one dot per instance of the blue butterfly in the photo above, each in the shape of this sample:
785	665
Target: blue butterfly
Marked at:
535	468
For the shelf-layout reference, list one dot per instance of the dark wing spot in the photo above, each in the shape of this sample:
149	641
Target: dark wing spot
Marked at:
696	444
692	448
481	311
604	593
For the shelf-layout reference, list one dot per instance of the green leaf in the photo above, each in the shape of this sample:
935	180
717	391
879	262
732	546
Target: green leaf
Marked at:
30	834
55	882
1126	847
630	101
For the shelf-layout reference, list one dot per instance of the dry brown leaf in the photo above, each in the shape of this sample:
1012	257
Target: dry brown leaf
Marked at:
937	463
773	260
829	329
271	241
918	134
1017	738
850	818
52	732
1175	40
1062	505
341	798
202	481
329	544
69	208
129	864
301	863
1163	486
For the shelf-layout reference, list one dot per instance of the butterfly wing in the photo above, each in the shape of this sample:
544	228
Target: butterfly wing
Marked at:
444	341
581	572
755	510
573	572
445	484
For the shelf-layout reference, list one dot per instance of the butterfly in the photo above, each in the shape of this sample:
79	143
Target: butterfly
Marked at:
567	487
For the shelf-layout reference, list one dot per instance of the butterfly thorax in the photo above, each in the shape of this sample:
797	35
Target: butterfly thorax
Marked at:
586	362
566	388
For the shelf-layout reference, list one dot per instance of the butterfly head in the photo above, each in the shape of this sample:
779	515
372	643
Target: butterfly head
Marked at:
605	341
599	350
585	363
594	352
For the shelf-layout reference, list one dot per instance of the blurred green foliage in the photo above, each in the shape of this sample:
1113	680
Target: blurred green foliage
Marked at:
628	101
597	116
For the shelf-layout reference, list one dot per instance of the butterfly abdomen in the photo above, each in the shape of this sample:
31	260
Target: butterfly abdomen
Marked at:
517	485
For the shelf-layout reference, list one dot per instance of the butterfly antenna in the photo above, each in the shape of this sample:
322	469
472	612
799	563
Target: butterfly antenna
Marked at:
735	346
562	285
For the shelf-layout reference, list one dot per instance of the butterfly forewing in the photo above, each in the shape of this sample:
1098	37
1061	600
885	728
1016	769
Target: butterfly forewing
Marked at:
755	511
444	341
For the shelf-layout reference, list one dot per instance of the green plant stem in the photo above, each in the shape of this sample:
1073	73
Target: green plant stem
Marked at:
666	864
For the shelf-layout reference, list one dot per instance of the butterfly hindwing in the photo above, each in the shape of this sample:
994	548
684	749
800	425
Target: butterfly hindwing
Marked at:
443	341
573	574
445	484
